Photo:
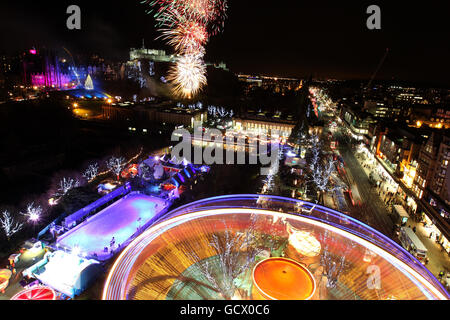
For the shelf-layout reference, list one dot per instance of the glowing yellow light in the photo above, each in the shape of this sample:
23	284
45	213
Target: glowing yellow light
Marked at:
75	105
305	243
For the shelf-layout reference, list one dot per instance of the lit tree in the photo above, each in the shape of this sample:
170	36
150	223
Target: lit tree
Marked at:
212	110
193	107
116	165
333	264
236	254
315	151
270	182
9	226
321	174
91	172
222	112
65	185
207	271
33	212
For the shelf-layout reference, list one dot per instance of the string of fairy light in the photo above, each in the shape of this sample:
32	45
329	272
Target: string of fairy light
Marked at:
187	26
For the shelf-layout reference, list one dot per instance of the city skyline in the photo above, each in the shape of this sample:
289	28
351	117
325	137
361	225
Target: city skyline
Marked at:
224	150
300	40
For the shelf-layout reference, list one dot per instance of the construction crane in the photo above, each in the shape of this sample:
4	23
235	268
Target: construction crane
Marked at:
378	68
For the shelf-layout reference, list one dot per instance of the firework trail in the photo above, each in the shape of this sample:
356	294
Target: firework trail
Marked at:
188	75
187	25
212	13
187	36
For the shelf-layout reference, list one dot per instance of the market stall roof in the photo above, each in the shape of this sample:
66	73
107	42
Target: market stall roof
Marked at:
36	293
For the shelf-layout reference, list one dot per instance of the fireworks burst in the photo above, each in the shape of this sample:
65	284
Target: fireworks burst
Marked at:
187	37
212	13
188	75
186	25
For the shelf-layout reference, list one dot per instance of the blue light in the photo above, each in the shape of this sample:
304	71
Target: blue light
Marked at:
154	189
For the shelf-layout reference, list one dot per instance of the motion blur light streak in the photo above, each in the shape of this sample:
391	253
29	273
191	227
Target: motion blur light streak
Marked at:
139	272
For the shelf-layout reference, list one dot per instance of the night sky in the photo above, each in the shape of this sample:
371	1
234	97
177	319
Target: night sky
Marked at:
284	38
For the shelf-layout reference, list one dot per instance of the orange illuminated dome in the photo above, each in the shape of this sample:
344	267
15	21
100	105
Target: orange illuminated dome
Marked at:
282	279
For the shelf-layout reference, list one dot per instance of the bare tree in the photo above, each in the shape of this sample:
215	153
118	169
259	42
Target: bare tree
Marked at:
91	172
116	165
207	271
33	212
321	175
212	110
272	181
65	185
9	226
333	263
236	254
220	112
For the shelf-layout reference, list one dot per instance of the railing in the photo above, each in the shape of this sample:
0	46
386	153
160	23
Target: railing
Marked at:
47	228
82	213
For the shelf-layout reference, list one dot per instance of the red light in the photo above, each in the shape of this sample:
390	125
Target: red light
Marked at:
33	51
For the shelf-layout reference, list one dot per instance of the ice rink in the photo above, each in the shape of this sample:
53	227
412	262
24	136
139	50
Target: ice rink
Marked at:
120	220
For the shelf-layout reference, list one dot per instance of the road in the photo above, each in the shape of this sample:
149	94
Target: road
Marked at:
372	211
